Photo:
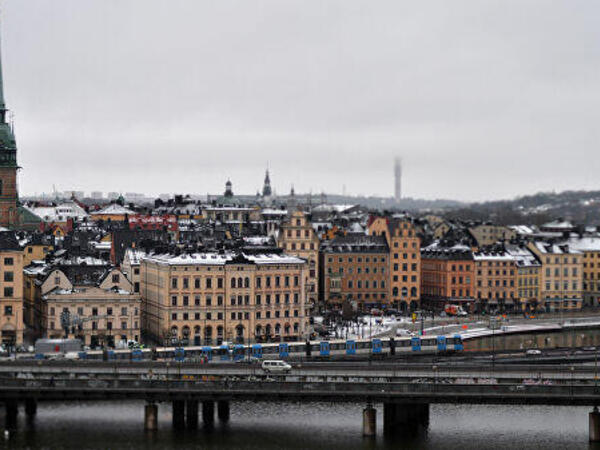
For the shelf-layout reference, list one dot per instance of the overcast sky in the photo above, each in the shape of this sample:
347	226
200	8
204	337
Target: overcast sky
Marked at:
481	99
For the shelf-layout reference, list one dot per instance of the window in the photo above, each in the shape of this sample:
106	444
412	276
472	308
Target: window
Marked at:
8	292
123	325
8	261
174	283
109	311
115	278
8	276
8	310
124	311
174	300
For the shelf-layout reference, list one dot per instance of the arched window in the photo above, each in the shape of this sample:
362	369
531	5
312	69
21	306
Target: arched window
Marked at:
404	292
240	282
246	282
233	282
413	292
395	292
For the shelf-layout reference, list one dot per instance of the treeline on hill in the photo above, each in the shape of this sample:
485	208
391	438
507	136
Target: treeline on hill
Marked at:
580	207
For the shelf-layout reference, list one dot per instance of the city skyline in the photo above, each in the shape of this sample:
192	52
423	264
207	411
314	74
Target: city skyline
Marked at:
463	100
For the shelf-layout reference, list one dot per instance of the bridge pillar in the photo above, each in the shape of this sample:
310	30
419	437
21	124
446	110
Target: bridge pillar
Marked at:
223	410
191	414
12	410
208	412
401	418
595	425
178	414
369	421
151	416
30	407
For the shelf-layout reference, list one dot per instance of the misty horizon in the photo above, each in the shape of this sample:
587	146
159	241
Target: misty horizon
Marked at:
141	96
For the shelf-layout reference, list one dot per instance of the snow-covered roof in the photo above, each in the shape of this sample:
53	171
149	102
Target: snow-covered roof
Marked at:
585	244
334	208
273	212
134	256
562	224
522	229
257	240
555	249
59	213
492	256
220	259
113	208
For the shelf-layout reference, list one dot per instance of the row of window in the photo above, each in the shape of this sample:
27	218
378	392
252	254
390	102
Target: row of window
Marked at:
239	315
497	283
497	272
358	270
565	271
358	259
413	278
94	325
405	245
97	311
239	282
302	246
285	298
557	260
565	285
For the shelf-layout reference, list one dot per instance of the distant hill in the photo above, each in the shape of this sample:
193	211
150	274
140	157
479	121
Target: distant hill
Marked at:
582	207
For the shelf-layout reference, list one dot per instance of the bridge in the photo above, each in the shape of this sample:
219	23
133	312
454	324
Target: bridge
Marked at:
405	391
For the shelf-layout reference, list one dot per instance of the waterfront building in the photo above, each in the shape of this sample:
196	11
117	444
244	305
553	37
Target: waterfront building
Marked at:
11	291
562	275
447	277
208	298
356	269
589	246
405	259
529	269
98	299
297	237
495	281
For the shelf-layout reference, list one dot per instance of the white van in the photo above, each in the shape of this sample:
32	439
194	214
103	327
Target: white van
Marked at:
275	366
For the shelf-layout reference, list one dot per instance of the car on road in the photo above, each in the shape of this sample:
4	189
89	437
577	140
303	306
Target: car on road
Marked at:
275	366
533	352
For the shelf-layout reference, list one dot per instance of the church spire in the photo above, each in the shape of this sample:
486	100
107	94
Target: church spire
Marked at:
2	104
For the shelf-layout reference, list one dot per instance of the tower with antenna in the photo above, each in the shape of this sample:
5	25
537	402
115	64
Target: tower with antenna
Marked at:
397	179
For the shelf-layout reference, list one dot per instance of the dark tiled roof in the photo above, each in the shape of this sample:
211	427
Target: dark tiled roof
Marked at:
356	244
8	241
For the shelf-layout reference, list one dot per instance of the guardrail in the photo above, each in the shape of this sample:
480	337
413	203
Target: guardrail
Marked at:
273	389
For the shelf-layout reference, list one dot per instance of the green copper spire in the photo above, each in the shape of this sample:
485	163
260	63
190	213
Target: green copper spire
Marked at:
8	145
2	105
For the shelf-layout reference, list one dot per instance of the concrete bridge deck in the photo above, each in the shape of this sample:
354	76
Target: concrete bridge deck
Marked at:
404	390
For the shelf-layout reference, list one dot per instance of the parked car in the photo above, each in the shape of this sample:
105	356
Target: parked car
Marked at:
533	352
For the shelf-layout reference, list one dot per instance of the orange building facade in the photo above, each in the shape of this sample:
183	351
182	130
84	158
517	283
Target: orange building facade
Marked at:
405	260
447	277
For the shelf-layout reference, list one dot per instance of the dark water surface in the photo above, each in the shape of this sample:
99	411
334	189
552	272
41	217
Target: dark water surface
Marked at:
113	425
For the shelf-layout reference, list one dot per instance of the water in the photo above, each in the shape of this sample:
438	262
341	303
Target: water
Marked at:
113	425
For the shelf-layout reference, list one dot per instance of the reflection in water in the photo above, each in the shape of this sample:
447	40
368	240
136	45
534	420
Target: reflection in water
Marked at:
300	426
